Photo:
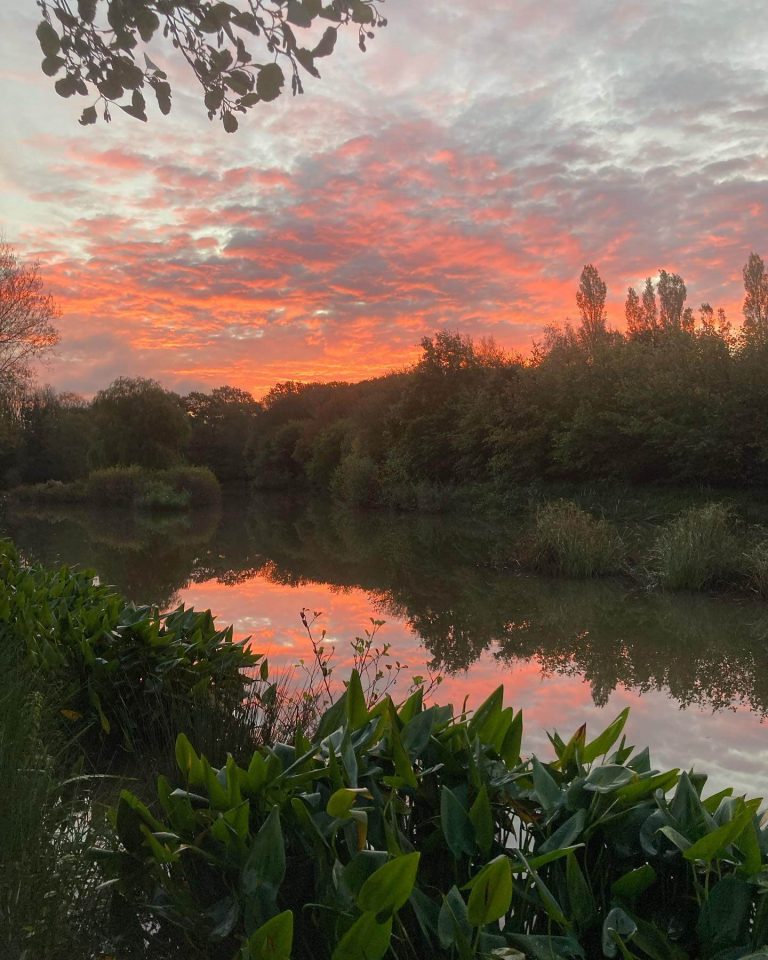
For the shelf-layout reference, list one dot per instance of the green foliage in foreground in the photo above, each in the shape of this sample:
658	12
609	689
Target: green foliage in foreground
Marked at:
130	671
411	832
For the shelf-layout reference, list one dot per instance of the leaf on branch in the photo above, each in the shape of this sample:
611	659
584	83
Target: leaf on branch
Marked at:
52	65
230	122
246	21
298	14
163	96
269	81
88	116
48	38
305	58
87	10
136	108
66	86
111	88
146	23
327	43
239	81
213	99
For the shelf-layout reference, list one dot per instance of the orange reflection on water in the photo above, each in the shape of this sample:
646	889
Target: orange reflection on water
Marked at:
730	745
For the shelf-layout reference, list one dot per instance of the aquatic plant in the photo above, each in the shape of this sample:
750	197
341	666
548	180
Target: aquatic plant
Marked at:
567	541
696	550
411	831
136	674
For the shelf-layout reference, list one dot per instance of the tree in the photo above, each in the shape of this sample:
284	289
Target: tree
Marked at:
95	50
27	315
590	299
754	331
138	422
672	294
221	422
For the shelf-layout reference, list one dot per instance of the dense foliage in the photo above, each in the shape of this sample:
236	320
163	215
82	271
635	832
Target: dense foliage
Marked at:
129	671
236	52
410	832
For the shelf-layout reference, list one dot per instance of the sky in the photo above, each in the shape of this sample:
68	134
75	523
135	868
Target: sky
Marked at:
456	176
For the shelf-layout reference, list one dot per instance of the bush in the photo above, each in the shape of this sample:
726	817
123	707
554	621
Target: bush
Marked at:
697	550
199	483
569	542
115	485
131	672
356	481
756	569
398	831
51	492
158	495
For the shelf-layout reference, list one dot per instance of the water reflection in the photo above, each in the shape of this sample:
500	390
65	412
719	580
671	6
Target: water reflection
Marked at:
566	651
449	582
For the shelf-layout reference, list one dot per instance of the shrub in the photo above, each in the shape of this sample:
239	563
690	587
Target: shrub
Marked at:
569	542
130	671
159	495
756	569
696	550
51	492
115	485
199	483
415	833
356	481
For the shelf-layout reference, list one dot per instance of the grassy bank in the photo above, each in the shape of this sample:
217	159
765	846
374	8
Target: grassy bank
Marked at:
177	488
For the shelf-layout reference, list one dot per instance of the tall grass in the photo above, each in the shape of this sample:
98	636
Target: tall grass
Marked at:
566	541
697	550
48	883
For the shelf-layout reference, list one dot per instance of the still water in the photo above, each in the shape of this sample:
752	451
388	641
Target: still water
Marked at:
693	669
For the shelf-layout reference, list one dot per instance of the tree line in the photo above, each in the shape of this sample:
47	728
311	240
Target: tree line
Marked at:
678	397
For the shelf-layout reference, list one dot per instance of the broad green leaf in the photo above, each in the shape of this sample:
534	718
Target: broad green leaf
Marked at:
490	892
605	740
342	801
273	940
617	927
724	917
481	817
357	711
548	792
582	902
264	868
565	834
456	826
630	885
390	886
645	787
366	939
710	845
453	926
608	779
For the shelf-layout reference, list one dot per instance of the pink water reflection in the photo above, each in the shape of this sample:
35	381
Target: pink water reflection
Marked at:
730	745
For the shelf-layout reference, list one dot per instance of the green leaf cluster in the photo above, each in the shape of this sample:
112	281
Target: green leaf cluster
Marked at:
128	672
409	831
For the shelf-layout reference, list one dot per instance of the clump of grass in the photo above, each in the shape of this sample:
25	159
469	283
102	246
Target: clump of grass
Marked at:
697	550
159	495
756	569
569	542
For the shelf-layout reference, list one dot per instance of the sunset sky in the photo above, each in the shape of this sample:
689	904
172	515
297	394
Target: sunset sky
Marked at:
459	174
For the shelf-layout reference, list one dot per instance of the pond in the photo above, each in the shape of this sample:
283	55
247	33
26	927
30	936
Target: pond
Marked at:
692	668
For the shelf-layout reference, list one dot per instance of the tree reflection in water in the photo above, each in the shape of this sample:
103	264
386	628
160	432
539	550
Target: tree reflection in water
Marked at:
450	581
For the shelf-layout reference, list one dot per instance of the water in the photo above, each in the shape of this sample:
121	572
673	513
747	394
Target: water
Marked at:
693	669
